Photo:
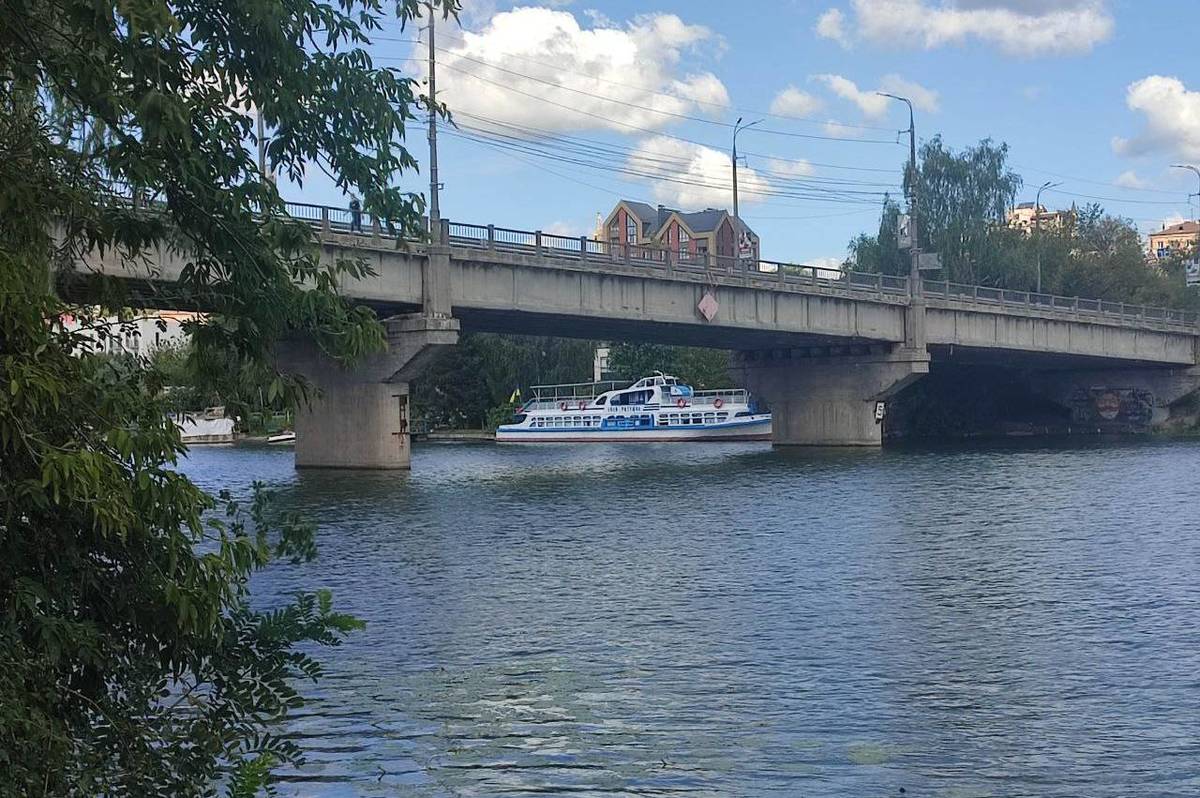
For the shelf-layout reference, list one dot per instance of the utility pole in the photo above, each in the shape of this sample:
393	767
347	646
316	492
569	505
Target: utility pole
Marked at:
435	224
737	219
1037	228
1190	167
914	271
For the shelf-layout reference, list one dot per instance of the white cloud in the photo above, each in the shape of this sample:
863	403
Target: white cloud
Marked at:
637	64
874	106
870	103
831	25
922	98
794	102
797	168
1130	179
701	176
1016	27
1172	118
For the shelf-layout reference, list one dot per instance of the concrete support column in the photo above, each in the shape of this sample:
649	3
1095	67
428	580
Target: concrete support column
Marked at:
824	396
435	282
350	424
358	417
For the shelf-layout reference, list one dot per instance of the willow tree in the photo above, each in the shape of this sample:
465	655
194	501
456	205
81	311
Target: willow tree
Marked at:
131	662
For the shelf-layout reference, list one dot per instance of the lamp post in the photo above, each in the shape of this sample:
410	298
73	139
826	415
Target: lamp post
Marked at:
435	224
1195	169
1037	228
737	219
914	272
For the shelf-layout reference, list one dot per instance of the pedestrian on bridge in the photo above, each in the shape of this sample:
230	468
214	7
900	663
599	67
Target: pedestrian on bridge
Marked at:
355	215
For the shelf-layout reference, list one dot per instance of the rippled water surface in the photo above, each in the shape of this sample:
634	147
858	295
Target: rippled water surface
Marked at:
733	620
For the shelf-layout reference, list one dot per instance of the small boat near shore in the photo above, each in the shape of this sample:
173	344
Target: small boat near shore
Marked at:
287	436
655	408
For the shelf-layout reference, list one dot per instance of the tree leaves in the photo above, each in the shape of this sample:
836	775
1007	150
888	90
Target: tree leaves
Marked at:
131	661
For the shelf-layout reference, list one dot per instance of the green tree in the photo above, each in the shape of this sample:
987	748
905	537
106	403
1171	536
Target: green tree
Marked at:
131	662
881	252
702	368
471	385
963	202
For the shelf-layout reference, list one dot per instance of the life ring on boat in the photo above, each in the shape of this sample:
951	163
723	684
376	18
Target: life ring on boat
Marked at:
582	405
562	405
718	403
681	402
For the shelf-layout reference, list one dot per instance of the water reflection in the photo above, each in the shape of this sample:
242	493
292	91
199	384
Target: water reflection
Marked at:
732	620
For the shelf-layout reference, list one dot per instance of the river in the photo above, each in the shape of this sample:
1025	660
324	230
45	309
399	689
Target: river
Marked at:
732	620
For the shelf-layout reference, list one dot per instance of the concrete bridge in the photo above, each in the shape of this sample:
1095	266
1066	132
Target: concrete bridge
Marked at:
822	348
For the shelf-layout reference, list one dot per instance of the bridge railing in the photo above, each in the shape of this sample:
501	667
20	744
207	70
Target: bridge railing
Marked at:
585	249
1081	306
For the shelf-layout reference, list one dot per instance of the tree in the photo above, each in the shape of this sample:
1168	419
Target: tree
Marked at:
470	386
130	660
964	198
705	369
881	252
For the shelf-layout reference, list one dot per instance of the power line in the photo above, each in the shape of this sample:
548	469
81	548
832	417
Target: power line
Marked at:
651	173
539	131
1109	199
647	109
588	146
1093	182
560	69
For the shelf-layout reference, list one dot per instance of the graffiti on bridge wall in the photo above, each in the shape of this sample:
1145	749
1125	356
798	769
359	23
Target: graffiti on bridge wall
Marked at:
1115	408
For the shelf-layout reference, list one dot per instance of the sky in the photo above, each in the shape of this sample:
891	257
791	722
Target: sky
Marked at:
561	108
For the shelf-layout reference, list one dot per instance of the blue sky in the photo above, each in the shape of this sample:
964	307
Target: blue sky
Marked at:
565	107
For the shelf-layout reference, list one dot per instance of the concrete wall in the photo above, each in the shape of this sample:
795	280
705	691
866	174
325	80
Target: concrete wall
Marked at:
1002	329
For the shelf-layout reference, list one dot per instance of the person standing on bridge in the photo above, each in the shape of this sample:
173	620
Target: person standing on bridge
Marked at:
355	215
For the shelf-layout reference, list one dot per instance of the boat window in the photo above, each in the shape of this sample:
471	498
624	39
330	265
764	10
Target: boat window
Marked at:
709	418
602	400
722	416
662	421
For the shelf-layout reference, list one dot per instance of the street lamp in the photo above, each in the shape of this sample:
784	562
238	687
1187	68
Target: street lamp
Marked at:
1188	166
1037	228
737	220
914	272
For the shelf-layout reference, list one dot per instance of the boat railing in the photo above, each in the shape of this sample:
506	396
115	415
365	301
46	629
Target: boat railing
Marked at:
572	390
729	396
572	403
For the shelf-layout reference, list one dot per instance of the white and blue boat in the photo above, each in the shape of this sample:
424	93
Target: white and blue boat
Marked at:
656	408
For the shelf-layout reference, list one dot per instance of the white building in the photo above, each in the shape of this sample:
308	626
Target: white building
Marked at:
141	335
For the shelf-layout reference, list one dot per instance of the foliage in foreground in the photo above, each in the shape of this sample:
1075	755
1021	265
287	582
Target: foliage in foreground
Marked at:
131	662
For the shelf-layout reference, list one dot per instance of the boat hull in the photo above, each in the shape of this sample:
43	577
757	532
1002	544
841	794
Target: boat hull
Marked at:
751	430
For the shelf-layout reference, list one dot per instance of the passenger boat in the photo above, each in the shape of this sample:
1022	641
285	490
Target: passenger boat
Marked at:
655	408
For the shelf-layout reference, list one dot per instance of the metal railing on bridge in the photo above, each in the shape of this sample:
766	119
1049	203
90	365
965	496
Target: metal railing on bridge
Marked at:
587	250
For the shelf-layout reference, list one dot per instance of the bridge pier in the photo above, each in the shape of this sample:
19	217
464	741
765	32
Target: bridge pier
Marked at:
827	396
359	417
1119	399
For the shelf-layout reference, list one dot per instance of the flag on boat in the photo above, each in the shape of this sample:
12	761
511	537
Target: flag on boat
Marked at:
515	397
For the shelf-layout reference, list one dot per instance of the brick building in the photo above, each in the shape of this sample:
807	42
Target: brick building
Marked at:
686	235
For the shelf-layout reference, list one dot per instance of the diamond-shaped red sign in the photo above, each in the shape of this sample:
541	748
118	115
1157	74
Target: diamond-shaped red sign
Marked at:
708	306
